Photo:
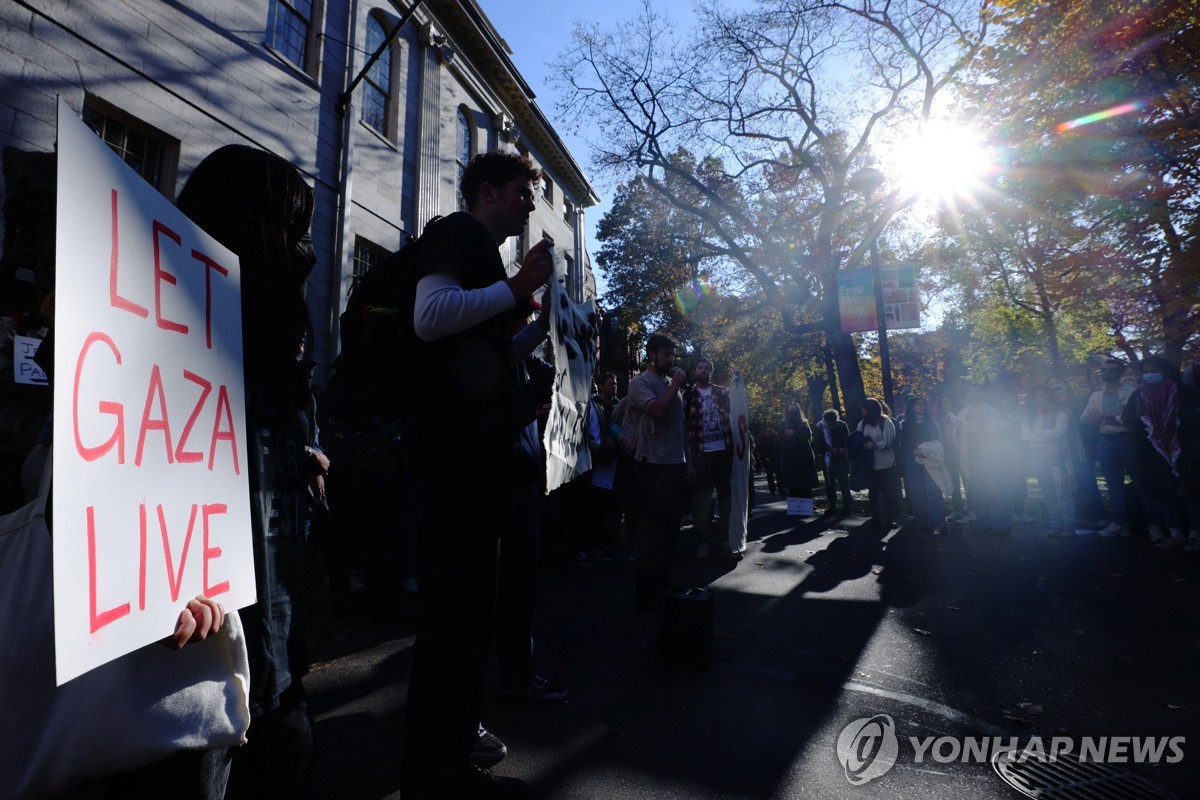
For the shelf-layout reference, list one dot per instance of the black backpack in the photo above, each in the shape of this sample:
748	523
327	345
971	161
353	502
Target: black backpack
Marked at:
378	340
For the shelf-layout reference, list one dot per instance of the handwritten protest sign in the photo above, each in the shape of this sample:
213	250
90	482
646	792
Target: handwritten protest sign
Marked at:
573	336
151	499
25	369
739	479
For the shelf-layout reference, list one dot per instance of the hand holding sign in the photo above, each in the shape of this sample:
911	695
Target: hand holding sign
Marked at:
201	618
151	499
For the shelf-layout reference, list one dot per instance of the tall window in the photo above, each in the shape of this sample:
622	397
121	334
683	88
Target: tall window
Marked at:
547	189
137	146
568	212
288	24
366	255
463	150
377	88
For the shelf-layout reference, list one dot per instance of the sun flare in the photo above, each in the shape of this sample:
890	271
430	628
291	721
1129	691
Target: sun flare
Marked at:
944	161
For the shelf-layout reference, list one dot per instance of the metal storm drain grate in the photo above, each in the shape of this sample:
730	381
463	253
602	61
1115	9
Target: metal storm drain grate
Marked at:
1068	778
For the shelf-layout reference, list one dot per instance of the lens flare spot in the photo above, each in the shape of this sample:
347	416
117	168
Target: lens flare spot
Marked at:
1115	111
687	298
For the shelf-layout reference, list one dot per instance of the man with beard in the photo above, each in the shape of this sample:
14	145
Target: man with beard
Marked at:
660	468
710	451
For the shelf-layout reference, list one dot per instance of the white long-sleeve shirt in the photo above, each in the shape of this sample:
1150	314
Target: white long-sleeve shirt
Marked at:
444	308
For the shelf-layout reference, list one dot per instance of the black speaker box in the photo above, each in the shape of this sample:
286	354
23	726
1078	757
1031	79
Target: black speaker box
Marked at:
685	628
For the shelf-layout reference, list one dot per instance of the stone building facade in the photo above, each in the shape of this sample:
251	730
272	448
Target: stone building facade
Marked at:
166	82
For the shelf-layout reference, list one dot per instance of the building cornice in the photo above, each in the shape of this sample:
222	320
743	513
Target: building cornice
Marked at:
470	28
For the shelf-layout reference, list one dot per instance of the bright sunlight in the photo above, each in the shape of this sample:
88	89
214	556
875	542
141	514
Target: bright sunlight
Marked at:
944	162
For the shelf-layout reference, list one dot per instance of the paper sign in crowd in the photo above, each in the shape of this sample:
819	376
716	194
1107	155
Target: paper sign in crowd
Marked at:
151	497
740	472
573	330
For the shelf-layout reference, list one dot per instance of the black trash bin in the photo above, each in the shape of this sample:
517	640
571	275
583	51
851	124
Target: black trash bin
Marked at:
685	628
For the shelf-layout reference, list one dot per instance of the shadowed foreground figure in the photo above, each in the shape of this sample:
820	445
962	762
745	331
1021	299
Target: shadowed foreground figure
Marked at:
259	206
465	314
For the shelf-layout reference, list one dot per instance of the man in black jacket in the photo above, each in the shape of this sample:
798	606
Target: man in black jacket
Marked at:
472	474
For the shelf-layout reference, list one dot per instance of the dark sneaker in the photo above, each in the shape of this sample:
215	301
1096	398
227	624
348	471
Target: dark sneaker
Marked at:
538	688
482	784
489	750
645	604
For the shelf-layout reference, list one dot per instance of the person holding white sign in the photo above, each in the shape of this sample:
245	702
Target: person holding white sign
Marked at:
258	205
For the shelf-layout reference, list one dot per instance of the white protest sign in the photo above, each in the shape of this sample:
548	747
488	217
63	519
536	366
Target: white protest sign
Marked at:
800	507
573	336
25	369
739	478
151	498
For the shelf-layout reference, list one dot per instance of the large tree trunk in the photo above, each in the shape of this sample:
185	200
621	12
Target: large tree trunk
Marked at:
849	376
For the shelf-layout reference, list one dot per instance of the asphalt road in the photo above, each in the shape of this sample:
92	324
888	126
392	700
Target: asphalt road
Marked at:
956	639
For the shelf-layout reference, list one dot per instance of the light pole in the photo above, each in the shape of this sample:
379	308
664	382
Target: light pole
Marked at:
867	181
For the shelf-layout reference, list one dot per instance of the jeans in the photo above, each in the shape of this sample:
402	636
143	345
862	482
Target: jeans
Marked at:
1118	455
1056	488
712	472
925	498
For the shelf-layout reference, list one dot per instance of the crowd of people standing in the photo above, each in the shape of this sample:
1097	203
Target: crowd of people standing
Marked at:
665	451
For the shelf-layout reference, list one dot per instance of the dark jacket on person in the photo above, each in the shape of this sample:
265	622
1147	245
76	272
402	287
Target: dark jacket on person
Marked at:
464	385
797	466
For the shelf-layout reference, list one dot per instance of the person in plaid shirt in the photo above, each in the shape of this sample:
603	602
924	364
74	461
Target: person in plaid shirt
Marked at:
710	450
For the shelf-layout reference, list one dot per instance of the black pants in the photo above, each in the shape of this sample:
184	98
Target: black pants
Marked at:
662	495
883	491
459	552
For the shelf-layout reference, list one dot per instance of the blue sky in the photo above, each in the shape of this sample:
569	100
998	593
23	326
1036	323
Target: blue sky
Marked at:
537	31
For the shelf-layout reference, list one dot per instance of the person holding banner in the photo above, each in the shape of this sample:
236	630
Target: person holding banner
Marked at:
660	468
258	205
466	310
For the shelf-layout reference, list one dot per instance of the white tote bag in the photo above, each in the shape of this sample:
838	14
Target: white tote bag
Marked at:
125	714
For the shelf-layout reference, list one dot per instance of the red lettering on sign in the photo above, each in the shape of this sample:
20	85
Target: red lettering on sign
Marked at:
113	298
192	456
141	556
209	265
106	407
103	618
212	553
223	435
161	275
155	389
743	434
176	579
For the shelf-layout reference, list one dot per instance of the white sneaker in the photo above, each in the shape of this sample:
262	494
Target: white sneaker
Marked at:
1112	531
1174	542
1156	534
